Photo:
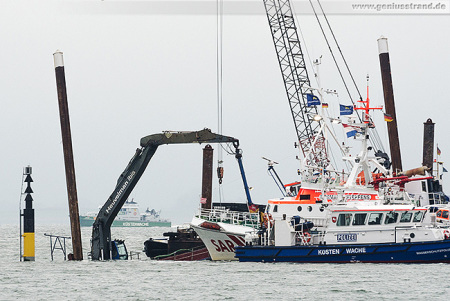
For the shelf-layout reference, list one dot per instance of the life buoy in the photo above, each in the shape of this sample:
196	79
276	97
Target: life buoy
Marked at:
268	220
447	234
306	237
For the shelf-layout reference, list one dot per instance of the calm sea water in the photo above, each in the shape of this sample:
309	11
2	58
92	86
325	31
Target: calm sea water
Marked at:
145	279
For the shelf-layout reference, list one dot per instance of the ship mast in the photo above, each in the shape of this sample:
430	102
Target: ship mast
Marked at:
361	173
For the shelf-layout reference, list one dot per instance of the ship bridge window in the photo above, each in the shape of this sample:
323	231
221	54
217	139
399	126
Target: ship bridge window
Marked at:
360	219
344	219
424	186
305	197
445	214
391	217
375	218
418	216
406	217
433	209
293	190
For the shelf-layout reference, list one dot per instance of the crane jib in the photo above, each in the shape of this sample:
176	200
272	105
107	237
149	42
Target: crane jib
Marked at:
101	248
296	80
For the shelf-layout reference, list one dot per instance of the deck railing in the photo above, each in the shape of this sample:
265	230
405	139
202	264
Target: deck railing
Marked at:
220	214
306	239
318	221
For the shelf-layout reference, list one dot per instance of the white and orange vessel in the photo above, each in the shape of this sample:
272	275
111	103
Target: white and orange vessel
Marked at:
223	230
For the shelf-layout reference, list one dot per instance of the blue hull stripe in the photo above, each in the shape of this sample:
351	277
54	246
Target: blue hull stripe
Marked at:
419	252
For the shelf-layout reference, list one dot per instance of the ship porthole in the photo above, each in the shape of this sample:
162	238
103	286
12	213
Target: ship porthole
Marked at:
299	208
309	208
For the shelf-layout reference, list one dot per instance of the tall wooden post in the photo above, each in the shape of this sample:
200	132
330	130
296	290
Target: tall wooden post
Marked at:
388	90
207	176
68	156
428	144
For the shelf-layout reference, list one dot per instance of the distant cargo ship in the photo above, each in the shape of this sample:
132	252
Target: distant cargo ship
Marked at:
129	216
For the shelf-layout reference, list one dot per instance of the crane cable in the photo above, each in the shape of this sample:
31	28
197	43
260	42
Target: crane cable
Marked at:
375	132
304	43
339	48
332	54
219	61
330	150
334	58
375	139
219	64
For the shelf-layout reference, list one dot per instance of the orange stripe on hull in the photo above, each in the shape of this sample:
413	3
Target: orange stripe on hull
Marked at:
312	196
291	202
358	210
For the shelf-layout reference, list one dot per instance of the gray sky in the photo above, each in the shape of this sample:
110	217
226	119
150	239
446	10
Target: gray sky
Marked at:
132	72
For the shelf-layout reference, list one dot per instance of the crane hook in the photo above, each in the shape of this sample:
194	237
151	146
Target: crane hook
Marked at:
220	174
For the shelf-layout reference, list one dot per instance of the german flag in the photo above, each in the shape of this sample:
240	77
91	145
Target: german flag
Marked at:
324	105
253	208
388	117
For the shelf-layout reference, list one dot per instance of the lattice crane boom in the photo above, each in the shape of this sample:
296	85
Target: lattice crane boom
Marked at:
296	81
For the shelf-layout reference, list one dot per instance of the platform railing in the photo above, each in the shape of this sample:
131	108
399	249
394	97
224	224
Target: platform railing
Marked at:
230	217
318	221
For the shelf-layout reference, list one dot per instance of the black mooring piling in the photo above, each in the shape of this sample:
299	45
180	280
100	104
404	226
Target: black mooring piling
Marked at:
388	90
207	176
428	144
68	156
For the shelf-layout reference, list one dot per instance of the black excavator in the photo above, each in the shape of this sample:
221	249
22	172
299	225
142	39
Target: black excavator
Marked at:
102	248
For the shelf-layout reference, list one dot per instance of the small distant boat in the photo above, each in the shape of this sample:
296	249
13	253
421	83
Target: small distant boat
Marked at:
129	216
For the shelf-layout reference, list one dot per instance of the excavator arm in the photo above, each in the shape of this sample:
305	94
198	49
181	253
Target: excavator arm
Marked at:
101	245
203	136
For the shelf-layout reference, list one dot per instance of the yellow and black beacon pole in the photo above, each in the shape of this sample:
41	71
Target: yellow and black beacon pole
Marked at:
28	219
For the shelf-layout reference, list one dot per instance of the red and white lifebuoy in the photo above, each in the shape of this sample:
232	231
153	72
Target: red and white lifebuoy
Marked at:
447	234
306	237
